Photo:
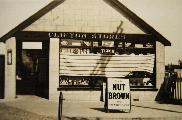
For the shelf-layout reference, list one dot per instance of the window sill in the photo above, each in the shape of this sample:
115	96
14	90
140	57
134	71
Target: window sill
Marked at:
144	89
78	88
81	88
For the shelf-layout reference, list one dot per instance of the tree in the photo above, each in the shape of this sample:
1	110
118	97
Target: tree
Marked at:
180	62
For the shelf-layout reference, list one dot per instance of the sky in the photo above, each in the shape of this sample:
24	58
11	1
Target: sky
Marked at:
163	15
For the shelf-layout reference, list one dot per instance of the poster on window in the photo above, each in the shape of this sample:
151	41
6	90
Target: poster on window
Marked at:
118	94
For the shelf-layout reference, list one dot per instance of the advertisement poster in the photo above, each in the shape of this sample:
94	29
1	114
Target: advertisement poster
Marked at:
118	94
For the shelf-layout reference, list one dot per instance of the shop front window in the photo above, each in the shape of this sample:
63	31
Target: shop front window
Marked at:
141	79
84	64
81	82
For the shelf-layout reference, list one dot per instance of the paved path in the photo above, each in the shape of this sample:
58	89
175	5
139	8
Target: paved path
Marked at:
35	108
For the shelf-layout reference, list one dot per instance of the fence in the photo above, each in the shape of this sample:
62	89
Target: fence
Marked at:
173	88
177	90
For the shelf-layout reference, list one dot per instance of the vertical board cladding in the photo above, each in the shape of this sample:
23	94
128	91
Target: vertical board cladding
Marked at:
84	16
104	65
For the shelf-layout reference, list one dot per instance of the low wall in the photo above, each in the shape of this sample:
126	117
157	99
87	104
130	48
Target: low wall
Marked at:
97	96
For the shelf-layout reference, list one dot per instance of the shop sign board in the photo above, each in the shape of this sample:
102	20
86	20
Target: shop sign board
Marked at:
87	36
118	94
32	45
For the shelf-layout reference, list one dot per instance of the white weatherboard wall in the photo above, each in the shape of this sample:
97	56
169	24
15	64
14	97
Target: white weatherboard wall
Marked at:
10	70
143	95
84	16
2	48
54	68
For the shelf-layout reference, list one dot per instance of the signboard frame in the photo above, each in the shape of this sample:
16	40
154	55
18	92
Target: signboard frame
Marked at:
117	101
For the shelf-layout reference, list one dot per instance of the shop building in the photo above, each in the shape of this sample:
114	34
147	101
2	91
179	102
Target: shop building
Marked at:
75	45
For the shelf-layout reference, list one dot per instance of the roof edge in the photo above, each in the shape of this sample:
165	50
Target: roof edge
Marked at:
135	19
31	19
114	3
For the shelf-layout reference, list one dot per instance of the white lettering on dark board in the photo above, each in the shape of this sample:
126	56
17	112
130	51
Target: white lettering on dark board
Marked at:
89	36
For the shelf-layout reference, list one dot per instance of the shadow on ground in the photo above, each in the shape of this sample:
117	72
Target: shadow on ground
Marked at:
109	111
80	118
157	109
11	113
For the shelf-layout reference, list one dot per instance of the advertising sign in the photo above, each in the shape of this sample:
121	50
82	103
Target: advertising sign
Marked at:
118	94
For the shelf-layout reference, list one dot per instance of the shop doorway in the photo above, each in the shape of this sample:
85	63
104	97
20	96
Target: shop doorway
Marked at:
2	76
33	69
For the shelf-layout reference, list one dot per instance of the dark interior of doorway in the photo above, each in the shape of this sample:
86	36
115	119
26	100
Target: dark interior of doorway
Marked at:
2	76
33	71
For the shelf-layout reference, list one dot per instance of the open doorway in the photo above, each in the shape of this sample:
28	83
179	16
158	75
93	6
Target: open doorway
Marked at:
2	76
32	69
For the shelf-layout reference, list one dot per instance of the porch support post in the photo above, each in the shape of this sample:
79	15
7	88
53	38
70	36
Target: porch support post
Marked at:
54	69
10	69
160	64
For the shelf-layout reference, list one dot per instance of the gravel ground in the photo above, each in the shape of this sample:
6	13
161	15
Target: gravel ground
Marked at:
11	113
35	108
